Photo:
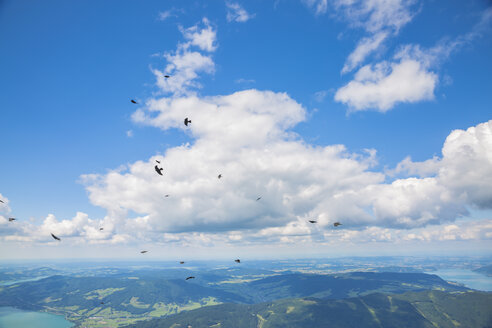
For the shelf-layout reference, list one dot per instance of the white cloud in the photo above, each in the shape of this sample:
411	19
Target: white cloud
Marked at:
79	230
244	81
236	13
422	169
297	182
320	6
184	64
319	96
244	136
376	15
466	230
364	48
383	85
4	204
204	38
408	78
379	18
163	15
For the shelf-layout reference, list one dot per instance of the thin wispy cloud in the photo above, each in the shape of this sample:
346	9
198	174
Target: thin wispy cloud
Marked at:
236	13
244	81
379	18
319	6
163	15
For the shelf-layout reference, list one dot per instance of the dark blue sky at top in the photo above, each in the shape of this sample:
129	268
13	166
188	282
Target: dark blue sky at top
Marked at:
69	68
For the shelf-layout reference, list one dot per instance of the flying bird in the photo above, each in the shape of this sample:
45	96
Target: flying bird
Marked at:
336	224
158	161
158	170
100	229
166	76
237	261
181	262
257	199
102	302
219	176
186	121
312	221
143	252
1	201
133	101
166	195
52	235
190	277
11	219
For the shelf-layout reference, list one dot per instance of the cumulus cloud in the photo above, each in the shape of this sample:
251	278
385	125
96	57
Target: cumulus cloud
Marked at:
382	86
244	137
409	77
79	229
236	13
296	181
185	64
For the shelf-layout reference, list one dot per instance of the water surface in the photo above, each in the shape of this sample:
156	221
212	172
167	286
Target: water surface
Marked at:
13	282
468	278
14	318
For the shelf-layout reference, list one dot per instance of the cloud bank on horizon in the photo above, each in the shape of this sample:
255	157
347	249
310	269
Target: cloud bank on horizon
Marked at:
247	137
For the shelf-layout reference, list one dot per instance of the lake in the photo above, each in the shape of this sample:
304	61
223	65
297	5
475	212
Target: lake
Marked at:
13	282
14	318
468	278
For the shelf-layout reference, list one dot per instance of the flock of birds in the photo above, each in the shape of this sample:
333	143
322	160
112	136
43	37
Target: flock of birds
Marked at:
159	170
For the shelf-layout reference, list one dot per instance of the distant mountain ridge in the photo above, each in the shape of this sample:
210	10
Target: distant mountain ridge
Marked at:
133	296
428	309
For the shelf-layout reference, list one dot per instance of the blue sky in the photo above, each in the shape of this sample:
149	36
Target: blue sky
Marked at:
69	70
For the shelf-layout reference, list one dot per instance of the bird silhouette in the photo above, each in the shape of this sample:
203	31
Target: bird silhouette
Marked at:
166	195
257	199
133	101
158	161
52	235
100	229
336	224
11	219
237	261
186	121
312	221
190	277
181	262
158	170
143	252
166	76
219	176
1	201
